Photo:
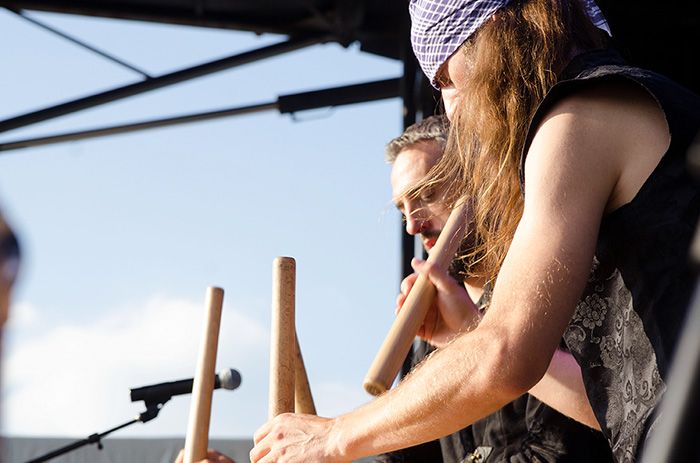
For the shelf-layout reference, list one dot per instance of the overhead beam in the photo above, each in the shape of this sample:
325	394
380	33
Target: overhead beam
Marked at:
80	43
73	136
351	94
159	82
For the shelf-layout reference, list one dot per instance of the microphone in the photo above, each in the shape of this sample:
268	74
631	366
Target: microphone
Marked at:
160	393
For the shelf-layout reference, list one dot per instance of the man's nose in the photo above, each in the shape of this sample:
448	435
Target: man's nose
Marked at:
416	223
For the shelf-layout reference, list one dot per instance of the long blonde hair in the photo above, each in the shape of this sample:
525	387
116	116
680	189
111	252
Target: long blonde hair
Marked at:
512	60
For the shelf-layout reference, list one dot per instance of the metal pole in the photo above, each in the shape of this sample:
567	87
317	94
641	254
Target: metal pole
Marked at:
408	93
159	82
13	145
358	93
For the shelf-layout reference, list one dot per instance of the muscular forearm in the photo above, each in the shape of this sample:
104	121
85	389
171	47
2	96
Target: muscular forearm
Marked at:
461	383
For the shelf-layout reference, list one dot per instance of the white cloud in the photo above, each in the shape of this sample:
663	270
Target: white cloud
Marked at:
74	379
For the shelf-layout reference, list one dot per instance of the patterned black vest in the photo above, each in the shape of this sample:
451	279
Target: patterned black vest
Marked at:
625	327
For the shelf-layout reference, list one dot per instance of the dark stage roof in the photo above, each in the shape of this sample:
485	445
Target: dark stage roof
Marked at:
658	36
375	24
662	35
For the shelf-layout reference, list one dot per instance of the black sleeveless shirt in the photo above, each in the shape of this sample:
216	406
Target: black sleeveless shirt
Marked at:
624	330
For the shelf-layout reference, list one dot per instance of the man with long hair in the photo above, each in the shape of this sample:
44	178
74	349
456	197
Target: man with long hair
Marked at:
584	213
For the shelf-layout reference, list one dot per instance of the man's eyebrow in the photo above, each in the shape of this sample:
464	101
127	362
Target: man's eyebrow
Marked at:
410	193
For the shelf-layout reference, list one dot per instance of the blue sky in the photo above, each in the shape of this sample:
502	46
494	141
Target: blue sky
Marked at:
121	235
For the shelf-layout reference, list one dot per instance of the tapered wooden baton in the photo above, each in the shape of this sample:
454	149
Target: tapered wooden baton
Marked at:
283	348
403	331
197	438
289	385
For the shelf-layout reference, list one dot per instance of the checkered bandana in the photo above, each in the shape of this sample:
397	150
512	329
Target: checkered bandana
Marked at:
439	27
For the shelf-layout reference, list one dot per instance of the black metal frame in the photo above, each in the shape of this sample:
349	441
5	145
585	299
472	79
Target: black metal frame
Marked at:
159	82
358	93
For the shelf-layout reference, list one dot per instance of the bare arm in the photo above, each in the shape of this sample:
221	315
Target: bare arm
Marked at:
647	139
573	171
561	387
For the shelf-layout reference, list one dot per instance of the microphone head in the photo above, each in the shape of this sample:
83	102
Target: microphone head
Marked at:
229	379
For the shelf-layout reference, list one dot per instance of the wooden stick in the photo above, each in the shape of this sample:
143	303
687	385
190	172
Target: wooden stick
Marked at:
283	340
303	400
197	438
398	342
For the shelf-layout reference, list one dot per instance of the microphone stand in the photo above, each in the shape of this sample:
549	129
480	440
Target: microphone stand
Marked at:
152	409
154	398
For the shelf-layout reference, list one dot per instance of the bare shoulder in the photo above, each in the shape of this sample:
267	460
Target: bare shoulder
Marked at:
614	131
622	110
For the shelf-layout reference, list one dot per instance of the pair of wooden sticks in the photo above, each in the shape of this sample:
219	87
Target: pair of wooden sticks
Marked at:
289	385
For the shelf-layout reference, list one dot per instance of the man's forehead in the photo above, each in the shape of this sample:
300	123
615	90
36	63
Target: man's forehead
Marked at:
419	157
411	166
425	151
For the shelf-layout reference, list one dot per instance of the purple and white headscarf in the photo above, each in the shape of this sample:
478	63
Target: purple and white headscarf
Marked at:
439	27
